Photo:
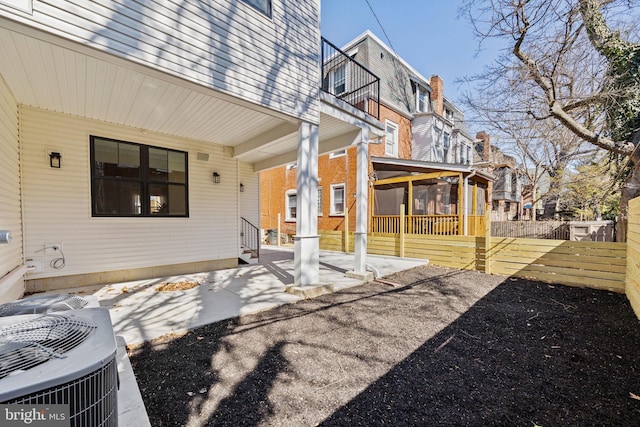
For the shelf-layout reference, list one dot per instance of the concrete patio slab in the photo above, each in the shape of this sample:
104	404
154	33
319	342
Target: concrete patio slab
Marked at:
141	312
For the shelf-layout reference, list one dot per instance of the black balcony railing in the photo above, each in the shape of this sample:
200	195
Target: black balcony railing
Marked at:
348	80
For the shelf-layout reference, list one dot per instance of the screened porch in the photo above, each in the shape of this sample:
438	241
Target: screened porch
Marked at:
436	203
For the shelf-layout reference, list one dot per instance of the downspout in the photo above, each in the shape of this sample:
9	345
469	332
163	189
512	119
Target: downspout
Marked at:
466	201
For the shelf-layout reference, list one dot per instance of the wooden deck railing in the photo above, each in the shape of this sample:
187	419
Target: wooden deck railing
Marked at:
433	225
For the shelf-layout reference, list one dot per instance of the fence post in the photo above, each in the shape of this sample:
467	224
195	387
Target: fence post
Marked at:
402	219
345	233
487	240
278	244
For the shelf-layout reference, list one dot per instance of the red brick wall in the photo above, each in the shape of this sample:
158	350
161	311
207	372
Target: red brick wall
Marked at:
274	184
404	134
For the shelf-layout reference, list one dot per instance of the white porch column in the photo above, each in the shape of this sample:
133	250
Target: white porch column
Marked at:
306	249
362	204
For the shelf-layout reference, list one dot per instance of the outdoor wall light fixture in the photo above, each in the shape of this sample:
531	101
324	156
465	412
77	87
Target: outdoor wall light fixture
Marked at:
241	187
216	178
55	159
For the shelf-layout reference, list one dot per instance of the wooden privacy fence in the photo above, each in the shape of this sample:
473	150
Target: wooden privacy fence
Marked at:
597	265
633	258
558	230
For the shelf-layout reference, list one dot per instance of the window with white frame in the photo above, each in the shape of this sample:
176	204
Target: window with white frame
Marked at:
335	82
446	147
507	180
291	203
338	153
337	199
448	114
436	147
423	101
339	79
391	139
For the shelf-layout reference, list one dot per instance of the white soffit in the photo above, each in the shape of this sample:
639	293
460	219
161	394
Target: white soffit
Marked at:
49	76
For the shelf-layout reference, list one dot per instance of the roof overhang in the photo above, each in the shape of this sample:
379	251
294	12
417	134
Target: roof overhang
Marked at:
418	166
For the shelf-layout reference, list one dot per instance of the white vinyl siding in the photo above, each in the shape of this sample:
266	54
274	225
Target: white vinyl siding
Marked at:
250	198
224	45
57	202
10	211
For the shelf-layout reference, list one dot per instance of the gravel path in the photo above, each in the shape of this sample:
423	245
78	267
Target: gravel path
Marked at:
447	347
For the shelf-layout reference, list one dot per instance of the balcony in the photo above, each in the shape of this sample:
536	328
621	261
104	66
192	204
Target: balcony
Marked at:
347	80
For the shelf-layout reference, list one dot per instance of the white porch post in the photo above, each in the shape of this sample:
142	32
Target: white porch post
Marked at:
306	249
362	203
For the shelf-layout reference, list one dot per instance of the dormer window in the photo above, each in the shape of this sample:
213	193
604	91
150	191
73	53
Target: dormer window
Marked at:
339	82
446	147
448	114
335	81
423	104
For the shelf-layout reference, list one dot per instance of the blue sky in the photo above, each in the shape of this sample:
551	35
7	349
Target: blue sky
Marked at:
425	33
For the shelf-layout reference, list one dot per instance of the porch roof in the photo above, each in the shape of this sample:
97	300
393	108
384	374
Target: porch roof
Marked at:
391	165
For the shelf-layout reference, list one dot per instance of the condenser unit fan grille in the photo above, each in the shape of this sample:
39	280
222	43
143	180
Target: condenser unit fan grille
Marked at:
43	304
27	344
92	399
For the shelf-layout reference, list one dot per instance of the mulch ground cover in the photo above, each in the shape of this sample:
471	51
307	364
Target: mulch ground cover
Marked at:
446	347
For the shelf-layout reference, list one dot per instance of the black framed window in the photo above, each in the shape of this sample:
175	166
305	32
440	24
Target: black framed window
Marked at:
129	179
263	6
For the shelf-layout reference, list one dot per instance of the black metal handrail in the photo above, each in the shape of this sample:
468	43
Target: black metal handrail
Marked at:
348	80
250	236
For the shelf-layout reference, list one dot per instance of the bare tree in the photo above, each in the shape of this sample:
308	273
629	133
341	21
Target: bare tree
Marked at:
543	149
566	63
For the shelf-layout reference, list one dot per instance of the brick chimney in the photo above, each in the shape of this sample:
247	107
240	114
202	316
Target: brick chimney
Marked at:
437	94
486	145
